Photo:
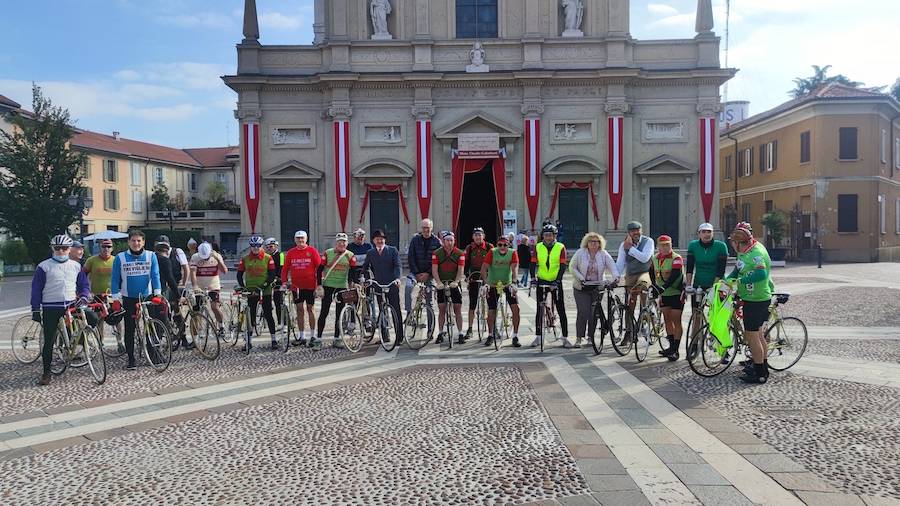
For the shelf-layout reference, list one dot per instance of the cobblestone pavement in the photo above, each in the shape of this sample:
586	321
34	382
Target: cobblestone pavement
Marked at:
882	350
428	442
20	394
862	307
830	427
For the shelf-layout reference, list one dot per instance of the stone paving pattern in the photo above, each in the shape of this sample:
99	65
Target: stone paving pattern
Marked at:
420	437
861	307
882	350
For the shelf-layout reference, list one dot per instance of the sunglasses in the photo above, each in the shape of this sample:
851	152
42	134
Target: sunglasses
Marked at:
60	248
106	247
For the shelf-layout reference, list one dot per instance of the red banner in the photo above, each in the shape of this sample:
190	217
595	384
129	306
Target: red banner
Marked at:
251	171
615	131
384	188
707	164
342	168
532	166
423	166
581	186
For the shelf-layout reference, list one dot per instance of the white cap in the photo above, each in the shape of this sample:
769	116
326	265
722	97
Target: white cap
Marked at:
205	250
340	237
705	226
300	233
191	241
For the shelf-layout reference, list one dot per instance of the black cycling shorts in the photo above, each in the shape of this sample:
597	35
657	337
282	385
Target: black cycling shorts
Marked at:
455	296
307	296
672	301
493	297
755	314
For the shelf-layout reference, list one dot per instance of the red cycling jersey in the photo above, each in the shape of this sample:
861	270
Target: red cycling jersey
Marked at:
300	267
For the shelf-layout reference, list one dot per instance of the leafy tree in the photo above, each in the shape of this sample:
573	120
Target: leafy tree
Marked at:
806	85
160	199
40	173
216	195
775	222
895	90
14	253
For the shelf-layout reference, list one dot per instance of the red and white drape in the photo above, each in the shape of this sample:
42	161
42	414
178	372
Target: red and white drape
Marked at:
532	166
423	166
342	168
384	188
462	166
581	186
615	131
251	171
707	164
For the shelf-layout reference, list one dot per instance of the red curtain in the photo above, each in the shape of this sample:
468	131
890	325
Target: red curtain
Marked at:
581	186
383	188
458	170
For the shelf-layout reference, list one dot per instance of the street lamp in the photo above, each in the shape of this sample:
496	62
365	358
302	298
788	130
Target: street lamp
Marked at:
84	203
171	216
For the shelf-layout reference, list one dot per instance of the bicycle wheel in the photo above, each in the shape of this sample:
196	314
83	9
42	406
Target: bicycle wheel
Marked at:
351	328
481	317
289	332
618	327
448	323
93	354
113	340
235	326
27	340
388	327
417	333
59	360
704	356
599	327
77	360
206	337
643	336
501	322
157	345
551	326
786	340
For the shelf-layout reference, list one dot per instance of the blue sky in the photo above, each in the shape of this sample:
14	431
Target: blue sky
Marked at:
150	69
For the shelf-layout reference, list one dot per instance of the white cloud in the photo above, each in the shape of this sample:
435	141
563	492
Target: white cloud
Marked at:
279	21
176	112
199	19
680	21
662	9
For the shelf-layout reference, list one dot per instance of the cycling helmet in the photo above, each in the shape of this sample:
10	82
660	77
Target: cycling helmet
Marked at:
205	250
270	241
256	241
549	228
744	227
61	241
478	230
447	233
359	232
340	236
163	239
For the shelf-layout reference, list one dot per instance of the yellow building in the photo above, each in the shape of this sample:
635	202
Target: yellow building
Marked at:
831	162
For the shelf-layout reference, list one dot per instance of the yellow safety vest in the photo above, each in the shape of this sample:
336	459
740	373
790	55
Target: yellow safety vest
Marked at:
548	261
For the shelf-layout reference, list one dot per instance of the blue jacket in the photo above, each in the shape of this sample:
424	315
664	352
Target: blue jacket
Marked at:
419	253
135	276
385	267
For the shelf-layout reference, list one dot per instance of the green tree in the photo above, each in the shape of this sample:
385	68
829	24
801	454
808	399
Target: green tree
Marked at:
40	173
775	222
806	85
160	199
216	195
895	90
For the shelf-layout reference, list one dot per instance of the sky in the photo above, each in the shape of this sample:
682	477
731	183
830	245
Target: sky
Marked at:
151	69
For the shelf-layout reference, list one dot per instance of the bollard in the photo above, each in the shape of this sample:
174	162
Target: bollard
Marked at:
819	255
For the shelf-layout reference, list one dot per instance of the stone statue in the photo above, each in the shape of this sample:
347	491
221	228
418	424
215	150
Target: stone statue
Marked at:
573	13
476	57
380	9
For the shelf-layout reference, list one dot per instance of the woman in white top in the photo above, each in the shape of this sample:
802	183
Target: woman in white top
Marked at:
588	265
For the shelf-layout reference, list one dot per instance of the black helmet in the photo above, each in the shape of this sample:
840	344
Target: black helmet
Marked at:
548	229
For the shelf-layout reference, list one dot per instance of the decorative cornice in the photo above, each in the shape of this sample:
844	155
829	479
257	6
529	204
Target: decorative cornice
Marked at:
617	108
339	112
709	108
531	109
423	112
250	114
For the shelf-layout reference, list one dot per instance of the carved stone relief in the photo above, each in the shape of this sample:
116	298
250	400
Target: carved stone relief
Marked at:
662	131
573	132
382	134
300	136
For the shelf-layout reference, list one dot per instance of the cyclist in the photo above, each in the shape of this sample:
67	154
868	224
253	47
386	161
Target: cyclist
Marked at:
708	256
669	282
501	266
206	266
170	286
752	270
99	272
421	248
359	247
336	266
299	272
135	276
256	271
587	266
193	246
181	266
476	251
548	265
447	264
57	283
524	253
634	261
77	253
383	262
271	246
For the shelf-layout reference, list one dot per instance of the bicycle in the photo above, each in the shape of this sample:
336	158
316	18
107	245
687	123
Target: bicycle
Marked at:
73	331
502	319
200	323
413	323
480	305
549	318
152	332
449	323
387	318
288	318
786	341
241	322
649	327
116	349
699	313
27	340
612	320
350	321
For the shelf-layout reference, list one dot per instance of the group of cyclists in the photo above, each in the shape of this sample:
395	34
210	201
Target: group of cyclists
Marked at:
643	266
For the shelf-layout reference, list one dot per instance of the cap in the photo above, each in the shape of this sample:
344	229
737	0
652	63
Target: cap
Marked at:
106	242
300	233
192	241
705	226
163	239
664	239
744	227
634	225
205	250
447	233
77	244
478	230
503	238
378	233
340	236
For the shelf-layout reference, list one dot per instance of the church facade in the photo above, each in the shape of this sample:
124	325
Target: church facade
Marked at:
491	113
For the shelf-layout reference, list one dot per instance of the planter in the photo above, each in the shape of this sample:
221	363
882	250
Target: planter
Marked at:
777	254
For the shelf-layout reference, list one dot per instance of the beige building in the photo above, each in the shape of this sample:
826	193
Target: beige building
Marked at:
561	113
831	161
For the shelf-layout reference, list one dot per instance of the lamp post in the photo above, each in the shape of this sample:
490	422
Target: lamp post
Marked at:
171	219
84	204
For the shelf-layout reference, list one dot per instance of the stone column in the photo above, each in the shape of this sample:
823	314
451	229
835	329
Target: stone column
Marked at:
320	23
618	108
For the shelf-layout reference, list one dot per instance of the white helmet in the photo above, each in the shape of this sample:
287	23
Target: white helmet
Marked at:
340	237
61	241
205	250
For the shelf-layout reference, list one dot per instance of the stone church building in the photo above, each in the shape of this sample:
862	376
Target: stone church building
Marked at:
492	113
